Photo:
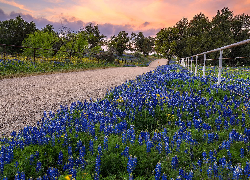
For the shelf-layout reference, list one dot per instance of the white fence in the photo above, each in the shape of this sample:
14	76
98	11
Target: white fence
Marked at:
187	62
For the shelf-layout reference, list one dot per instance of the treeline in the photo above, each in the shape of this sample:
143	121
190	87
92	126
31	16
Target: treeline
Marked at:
184	39
199	35
65	42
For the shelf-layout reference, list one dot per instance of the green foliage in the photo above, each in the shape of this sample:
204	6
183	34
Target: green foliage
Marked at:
94	37
119	43
200	35
142	44
14	31
40	39
106	56
166	42
74	44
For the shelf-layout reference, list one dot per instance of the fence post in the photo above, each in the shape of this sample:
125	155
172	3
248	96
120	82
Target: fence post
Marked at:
188	63
220	67
196	66
34	54
191	65
183	62
4	52
204	66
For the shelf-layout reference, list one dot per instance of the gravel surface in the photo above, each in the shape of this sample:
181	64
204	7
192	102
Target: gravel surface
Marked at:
23	100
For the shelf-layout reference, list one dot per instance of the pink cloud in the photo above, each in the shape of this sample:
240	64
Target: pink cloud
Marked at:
20	6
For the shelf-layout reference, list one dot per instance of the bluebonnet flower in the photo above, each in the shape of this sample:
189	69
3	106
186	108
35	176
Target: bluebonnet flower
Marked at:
158	171
53	173
31	159
70	152
167	150
125	153
199	162
229	154
73	172
117	146
174	162
105	144
37	154
215	169
60	158
97	167
71	162
211	157
17	176
164	176
247	169
237	173
79	145
82	151
140	140
182	173
178	178
204	156
149	146
16	164
209	172
91	148
159	147
38	166
124	137
131	165
99	149
45	177
53	140
22	176
242	152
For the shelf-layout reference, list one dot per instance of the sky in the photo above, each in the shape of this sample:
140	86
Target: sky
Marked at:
113	16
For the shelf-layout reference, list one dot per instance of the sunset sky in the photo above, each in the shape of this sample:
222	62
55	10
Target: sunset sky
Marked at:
112	16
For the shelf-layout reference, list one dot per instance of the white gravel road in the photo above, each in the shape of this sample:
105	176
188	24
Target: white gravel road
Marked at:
23	100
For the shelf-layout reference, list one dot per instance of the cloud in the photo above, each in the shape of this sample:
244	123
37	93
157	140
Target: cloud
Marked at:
145	24
113	16
74	24
13	3
2	15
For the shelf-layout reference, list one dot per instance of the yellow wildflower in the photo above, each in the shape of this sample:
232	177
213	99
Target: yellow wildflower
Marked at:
68	177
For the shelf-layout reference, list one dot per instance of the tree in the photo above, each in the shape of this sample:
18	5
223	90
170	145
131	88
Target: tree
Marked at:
74	43
95	38
40	39
119	43
182	33
142	44
198	39
14	31
221	34
165	42
240	30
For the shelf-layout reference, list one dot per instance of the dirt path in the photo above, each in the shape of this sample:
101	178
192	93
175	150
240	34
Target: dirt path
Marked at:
23	100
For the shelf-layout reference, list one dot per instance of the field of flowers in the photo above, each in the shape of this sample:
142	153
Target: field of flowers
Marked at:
165	124
21	66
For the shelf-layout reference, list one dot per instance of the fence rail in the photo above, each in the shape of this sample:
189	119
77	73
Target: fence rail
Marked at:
185	61
70	53
35	49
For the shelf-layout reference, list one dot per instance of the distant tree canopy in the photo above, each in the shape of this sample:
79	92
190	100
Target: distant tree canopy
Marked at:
184	39
14	31
199	34
142	44
119	43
